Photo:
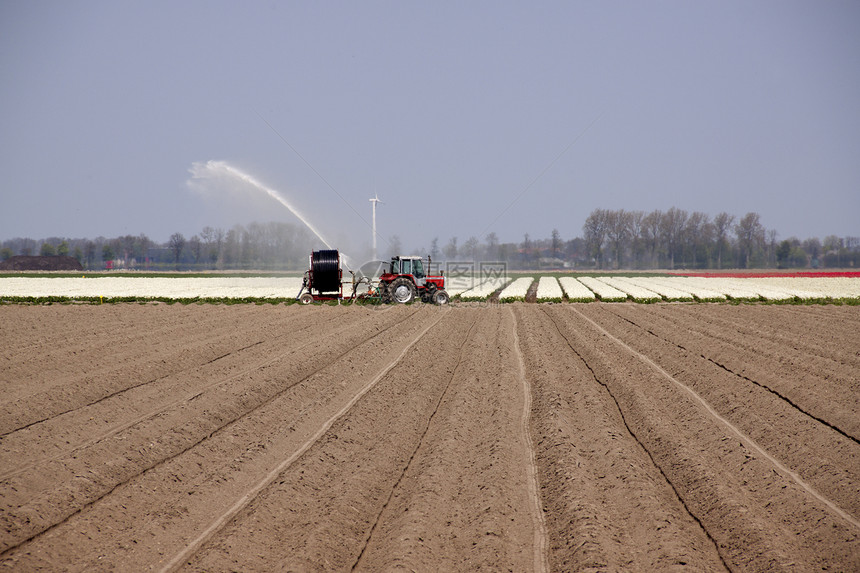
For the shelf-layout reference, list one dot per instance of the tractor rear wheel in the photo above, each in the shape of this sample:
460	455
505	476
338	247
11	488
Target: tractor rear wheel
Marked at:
402	290
441	297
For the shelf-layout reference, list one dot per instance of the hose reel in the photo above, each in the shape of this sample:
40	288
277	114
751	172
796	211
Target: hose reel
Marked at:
325	275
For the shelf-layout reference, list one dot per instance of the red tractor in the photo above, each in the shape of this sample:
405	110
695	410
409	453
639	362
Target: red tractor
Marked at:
405	281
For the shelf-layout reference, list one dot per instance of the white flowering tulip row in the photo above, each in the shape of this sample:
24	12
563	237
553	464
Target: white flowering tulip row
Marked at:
681	288
575	290
516	290
637	293
549	290
480	284
580	289
665	290
812	287
701	289
484	289
604	291
152	287
739	289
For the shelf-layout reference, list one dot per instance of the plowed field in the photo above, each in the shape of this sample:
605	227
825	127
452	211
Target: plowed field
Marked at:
519	437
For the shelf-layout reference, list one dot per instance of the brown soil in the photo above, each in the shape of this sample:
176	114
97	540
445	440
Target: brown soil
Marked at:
531	294
576	437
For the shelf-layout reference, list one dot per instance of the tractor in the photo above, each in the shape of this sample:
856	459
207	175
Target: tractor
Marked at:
405	281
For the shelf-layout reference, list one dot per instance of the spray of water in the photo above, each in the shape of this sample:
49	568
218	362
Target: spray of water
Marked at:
214	170
218	169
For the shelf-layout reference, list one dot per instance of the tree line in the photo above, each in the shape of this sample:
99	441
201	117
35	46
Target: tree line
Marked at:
673	238
610	239
621	239
272	246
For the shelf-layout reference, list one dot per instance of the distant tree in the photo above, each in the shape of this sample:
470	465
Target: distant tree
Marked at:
125	245
89	254
783	252
451	249
708	243
576	250
140	251
798	257
671	232
63	249
78	254
556	243
750	233
493	246
722	225
771	246
176	244
471	248
249	236
196	247
213	240
618	233
651	236
526	249
594	233
107	253
833	250
637	239
434	248
6	253
207	235
505	251
812	247
694	237
47	250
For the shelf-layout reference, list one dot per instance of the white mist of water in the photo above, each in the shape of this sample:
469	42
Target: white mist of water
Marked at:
212	170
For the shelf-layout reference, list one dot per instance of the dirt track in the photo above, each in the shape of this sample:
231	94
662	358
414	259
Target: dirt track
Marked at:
518	437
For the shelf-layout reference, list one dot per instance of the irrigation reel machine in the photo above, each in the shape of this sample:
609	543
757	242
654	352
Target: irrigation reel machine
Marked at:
403	282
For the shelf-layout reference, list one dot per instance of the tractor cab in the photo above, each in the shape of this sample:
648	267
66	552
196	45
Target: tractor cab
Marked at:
409	266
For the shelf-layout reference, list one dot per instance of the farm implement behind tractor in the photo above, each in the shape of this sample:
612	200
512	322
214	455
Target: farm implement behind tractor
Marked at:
403	282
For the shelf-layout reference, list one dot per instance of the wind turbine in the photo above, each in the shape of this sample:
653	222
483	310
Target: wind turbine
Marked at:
374	201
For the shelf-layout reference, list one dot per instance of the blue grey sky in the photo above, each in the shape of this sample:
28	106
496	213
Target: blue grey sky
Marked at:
465	117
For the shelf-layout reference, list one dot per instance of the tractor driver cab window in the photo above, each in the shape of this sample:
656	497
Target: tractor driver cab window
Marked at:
405	266
418	269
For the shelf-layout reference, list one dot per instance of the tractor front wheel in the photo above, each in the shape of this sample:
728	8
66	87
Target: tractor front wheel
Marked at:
402	290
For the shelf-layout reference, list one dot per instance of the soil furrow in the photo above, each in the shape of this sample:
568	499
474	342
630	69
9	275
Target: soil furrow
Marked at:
321	507
79	482
123	348
78	392
465	503
112	429
591	549
540	536
762	385
114	394
832	395
523	437
411	458
756	443
699	459
774	329
217	525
